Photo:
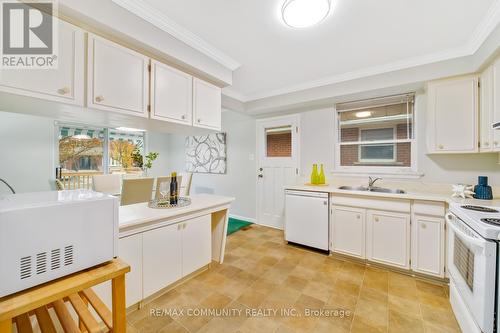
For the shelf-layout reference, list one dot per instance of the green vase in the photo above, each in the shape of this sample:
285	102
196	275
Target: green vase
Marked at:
321	175
314	175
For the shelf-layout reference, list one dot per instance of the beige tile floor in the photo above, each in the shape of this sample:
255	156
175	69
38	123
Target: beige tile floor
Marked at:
261	272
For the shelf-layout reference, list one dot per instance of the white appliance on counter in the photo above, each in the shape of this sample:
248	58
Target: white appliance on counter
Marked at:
307	218
473	263
46	235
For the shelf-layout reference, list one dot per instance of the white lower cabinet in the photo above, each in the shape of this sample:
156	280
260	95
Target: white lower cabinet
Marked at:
196	244
388	238
428	245
160	257
348	231
130	250
162	260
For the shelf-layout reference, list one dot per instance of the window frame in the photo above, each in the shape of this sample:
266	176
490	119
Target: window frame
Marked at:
105	155
377	143
385	171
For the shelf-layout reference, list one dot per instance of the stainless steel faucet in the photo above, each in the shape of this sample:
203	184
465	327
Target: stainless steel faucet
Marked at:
371	182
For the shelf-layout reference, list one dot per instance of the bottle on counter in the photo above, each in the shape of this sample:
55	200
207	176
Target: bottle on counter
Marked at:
314	174
174	192
321	176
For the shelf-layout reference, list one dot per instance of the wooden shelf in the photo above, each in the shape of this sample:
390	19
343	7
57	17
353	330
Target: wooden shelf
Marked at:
69	292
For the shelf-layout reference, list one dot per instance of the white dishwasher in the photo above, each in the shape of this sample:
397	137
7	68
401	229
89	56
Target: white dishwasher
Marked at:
306	218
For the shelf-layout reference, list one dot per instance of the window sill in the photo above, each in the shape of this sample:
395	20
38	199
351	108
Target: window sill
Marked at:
381	164
378	172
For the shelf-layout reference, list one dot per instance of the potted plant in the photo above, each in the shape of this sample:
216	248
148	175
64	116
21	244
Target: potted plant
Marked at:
139	159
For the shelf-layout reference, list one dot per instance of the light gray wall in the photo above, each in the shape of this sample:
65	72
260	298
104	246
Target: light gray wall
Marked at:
27	152
27	145
317	126
239	181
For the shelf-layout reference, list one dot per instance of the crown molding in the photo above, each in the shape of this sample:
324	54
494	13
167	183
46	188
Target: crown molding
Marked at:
163	22
480	34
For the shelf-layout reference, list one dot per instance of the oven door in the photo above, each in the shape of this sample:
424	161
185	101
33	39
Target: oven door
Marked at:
472	268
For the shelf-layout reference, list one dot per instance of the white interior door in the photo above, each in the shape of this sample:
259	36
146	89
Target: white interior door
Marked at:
277	163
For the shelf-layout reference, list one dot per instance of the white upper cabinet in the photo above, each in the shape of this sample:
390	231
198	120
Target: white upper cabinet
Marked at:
452	113
206	105
171	94
496	103
118	78
65	83
486	142
388	238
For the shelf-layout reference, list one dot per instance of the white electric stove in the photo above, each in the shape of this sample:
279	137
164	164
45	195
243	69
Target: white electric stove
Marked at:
473	242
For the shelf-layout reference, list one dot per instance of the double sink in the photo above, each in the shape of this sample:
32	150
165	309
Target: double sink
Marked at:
372	189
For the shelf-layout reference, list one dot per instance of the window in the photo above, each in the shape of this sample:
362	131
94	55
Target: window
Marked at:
376	135
279	142
126	151
84	151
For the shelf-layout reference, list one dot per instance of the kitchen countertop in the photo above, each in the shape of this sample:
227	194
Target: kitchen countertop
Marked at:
138	215
411	195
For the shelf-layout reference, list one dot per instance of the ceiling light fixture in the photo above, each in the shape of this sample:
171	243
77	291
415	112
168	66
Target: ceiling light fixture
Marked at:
363	114
304	13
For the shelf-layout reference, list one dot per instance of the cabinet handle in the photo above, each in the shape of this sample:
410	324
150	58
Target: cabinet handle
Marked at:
63	91
199	120
325	203
376	219
179	226
423	226
440	146
183	117
184	226
359	216
496	143
99	99
486	144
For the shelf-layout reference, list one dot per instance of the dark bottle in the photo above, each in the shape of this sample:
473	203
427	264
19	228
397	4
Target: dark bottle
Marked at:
173	189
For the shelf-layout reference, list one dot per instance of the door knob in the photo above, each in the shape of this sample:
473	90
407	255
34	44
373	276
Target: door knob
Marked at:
99	99
63	91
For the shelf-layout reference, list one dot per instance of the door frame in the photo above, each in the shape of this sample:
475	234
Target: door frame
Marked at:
292	119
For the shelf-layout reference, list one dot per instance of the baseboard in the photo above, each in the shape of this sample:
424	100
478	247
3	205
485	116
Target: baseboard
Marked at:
243	218
270	226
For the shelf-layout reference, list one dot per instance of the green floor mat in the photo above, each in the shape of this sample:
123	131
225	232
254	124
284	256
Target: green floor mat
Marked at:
235	225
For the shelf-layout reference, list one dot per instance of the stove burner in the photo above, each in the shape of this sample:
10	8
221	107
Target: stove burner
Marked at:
491	221
480	209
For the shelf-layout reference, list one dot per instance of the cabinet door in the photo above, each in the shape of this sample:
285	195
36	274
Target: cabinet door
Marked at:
496	103
486	143
171	94
428	245
453	115
130	250
161	258
65	83
348	231
388	238
196	244
206	105
118	78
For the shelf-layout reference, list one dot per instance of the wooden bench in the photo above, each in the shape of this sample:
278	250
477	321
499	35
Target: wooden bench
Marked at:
72	291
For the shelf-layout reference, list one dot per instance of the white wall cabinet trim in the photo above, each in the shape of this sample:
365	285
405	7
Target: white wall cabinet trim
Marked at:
64	84
118	78
486	113
207	101
452	113
171	94
496	103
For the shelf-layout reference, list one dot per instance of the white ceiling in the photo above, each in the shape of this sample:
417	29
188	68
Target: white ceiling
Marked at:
359	38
